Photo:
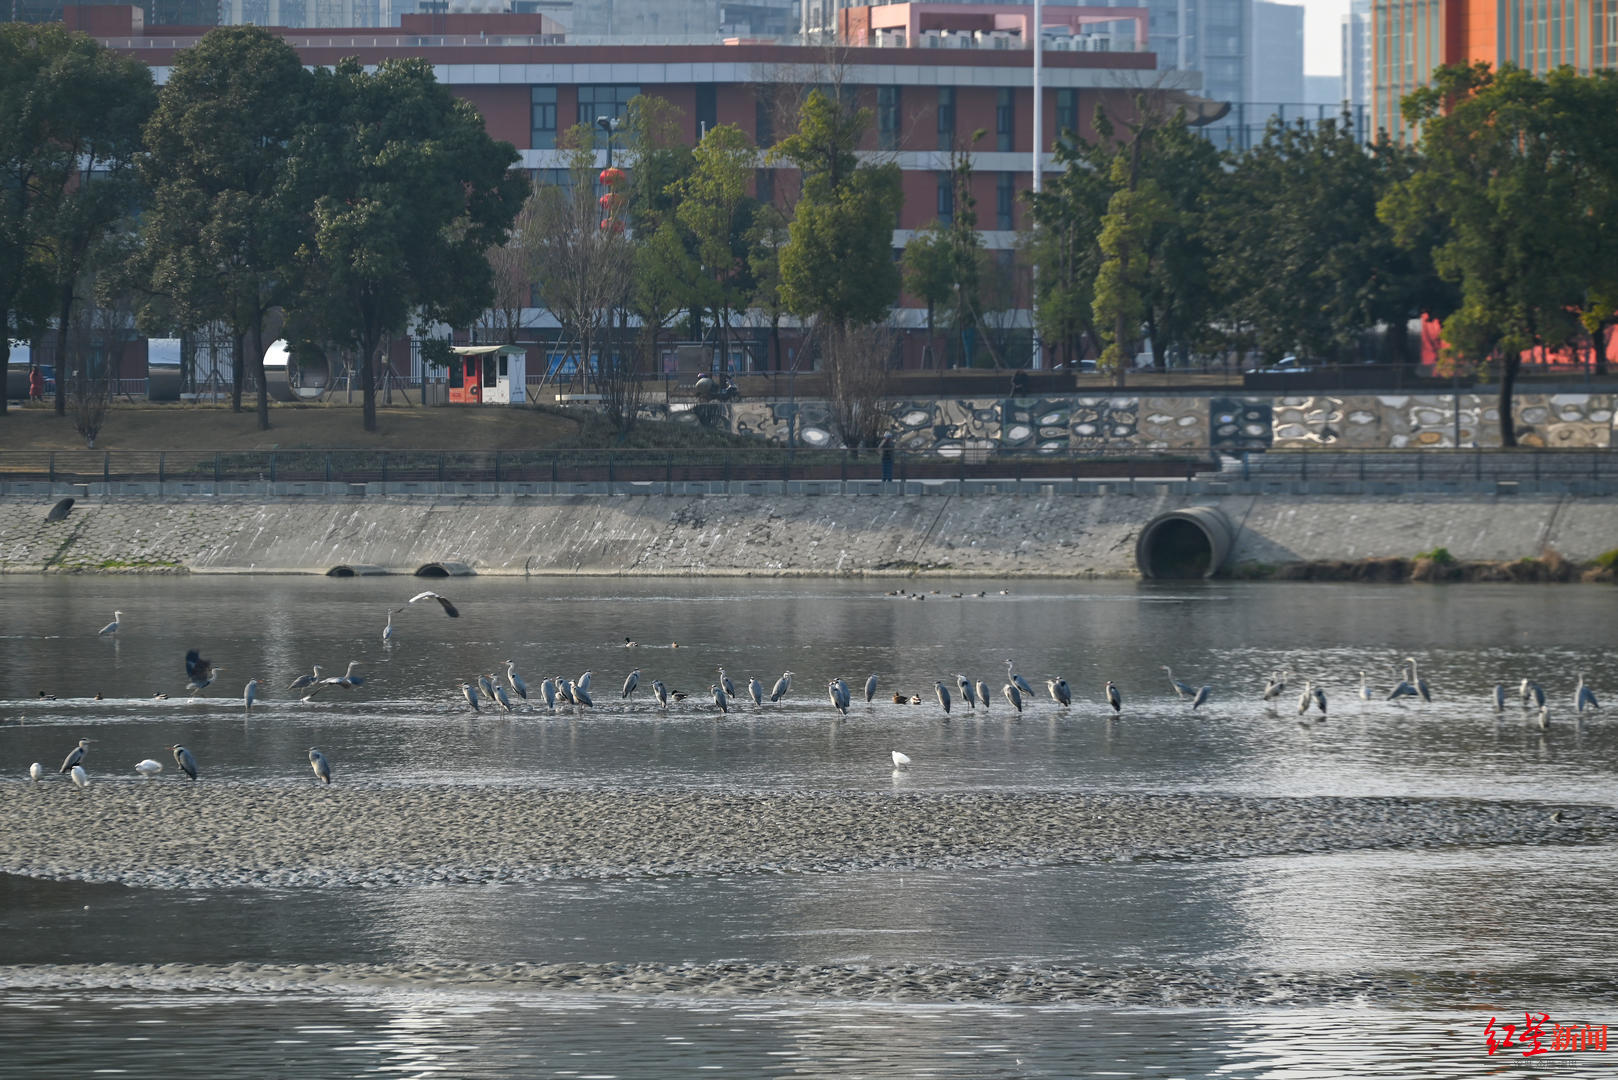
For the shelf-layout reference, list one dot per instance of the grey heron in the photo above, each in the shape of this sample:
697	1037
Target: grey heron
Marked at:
149	768
1306	699
943	694
346	681
449	608
75	755
36	772
498	693
1365	691
1275	686
631	682
305	680
1185	690
870	688
755	689
80	777
486	686
1498	698
200	672
1013	695
581	694
547	690
1201	697
387	631
835	693
660	692
1017	680
564	691
1059	691
1533	695
1114	698
470	693
1584	698
983	693
724	681
782	685
968	694
516	680
1544	718
720	699
1320	699
900	761
583	682
1418	682
1406	686
183	758
112	627
322	767
249	695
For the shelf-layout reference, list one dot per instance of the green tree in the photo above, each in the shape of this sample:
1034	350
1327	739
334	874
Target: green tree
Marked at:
837	265
943	264
714	207
1061	244
222	225
1135	210
408	192
1496	171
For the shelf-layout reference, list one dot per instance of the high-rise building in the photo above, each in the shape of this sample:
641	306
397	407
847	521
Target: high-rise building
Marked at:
152	12
1356	54
1410	38
1274	55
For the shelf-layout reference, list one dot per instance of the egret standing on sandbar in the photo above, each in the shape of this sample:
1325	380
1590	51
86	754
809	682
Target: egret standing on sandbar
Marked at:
183	758
80	777
322	767
112	627
149	767
249	695
900	761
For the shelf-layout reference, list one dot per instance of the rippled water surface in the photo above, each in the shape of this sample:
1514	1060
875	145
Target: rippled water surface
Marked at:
1472	933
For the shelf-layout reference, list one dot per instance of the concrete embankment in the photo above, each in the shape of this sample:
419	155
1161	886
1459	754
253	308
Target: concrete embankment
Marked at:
1051	533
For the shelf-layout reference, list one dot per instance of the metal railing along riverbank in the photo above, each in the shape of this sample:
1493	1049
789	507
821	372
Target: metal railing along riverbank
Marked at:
778	470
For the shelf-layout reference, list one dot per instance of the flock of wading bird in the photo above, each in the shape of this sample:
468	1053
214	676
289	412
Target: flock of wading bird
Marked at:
556	689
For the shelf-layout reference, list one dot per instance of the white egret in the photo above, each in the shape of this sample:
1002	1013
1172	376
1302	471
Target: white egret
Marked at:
112	627
1365	691
322	767
249	695
449	608
900	761
149	768
183	758
80	777
75	755
36	771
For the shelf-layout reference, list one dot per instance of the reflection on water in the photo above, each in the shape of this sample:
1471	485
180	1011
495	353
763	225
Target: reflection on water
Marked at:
1502	929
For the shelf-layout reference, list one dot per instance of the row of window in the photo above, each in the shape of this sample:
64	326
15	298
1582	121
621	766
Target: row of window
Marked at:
612	101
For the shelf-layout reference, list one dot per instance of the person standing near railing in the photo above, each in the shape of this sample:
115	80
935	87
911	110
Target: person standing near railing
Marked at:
36	384
887	447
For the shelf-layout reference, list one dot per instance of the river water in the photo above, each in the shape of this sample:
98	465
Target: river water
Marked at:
1470	932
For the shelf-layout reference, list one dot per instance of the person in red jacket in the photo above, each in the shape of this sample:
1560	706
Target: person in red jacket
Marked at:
36	384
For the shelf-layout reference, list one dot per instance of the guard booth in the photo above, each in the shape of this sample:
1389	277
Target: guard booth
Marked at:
488	375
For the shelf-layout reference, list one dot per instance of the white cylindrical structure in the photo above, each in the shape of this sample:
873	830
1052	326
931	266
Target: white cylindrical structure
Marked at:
1037	35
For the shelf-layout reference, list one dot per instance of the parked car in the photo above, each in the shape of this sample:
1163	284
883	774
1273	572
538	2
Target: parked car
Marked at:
1284	366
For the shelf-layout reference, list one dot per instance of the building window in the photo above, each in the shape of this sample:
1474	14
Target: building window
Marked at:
707	108
1005	196
610	101
946	197
1067	112
542	117
763	125
764	185
1004	118
887	117
946	117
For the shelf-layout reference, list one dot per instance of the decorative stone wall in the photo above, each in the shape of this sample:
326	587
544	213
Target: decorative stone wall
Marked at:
952	426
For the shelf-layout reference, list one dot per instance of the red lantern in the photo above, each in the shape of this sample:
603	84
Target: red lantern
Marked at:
612	225
611	202
612	177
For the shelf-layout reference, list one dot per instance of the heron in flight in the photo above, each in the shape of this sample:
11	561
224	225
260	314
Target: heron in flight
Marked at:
631	682
443	602
1185	690
1584	698
1059	691
322	767
75	756
1114	698
346	681
200	672
112	627
943	694
515	680
782	685
183	758
1201	697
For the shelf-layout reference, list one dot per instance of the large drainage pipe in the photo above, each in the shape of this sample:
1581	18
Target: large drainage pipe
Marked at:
1189	543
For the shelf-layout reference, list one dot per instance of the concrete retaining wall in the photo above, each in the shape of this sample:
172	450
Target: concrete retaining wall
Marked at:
1035	534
